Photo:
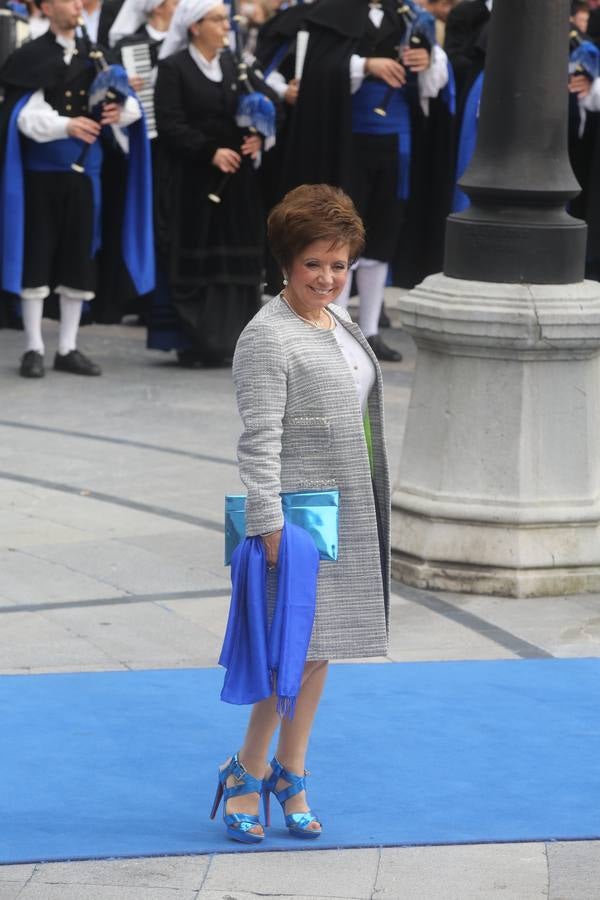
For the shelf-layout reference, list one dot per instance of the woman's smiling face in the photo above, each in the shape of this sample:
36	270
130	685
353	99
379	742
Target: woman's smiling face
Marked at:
318	274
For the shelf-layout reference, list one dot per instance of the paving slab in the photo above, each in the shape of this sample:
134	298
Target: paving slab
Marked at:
173	872
574	868
132	569
10	890
32	639
20	873
243	895
26	578
132	635
40	891
477	872
421	634
309	873
564	626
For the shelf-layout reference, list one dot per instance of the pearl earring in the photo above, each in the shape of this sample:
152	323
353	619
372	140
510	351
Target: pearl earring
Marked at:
285	282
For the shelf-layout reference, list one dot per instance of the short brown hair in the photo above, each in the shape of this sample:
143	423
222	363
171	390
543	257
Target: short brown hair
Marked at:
314	212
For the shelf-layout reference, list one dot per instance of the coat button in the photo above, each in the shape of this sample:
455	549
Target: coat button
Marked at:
68	94
68	107
82	93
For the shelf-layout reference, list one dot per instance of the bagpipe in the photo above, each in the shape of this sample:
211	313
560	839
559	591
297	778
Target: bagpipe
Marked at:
255	111
111	85
584	58
419	34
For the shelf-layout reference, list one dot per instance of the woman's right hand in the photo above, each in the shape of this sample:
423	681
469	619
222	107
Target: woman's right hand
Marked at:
272	542
226	160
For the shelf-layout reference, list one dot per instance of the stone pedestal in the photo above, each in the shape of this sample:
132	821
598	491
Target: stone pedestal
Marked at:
499	482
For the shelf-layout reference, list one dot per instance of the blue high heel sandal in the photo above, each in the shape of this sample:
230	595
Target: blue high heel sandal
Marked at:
238	825
297	823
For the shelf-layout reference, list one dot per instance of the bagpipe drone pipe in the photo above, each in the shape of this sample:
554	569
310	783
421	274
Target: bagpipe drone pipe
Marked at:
111	85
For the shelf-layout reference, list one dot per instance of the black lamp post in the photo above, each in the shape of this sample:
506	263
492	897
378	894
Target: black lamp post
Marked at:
520	179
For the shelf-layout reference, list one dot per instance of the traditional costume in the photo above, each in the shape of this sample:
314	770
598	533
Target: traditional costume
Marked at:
211	253
50	230
466	38
584	145
336	135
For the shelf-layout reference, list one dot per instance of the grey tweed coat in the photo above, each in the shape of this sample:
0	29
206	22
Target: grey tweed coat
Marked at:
303	430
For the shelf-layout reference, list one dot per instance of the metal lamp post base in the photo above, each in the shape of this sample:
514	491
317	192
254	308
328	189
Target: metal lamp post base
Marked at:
499	484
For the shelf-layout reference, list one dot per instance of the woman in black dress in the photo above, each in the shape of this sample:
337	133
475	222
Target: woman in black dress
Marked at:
211	253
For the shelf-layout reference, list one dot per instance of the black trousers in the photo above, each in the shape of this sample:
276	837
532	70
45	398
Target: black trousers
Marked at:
374	188
59	222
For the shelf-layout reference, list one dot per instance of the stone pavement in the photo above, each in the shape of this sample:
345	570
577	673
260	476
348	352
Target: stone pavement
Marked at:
110	530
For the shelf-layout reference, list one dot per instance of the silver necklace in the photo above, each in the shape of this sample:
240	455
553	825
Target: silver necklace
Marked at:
309	321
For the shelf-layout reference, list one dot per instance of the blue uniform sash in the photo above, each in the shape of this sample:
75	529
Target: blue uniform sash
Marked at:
397	121
57	156
467	141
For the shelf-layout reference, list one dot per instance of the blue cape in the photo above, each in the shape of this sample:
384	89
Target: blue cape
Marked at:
467	141
260	660
137	229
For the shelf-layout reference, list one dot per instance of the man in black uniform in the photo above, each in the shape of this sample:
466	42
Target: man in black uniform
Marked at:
54	210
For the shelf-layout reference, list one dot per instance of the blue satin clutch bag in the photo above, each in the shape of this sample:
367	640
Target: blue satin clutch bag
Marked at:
315	511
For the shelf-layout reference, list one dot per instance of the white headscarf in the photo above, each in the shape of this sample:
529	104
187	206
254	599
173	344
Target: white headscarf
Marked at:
187	12
132	15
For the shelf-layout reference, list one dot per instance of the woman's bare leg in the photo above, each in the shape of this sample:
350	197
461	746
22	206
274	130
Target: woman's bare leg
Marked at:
293	739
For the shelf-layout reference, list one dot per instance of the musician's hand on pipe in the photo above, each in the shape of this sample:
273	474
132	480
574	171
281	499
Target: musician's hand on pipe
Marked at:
226	160
252	145
137	82
111	114
580	85
416	60
83	129
291	95
388	70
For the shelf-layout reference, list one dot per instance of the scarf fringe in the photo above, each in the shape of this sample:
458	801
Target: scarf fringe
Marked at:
286	707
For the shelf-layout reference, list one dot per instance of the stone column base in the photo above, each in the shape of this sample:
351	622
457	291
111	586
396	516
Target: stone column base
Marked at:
499	482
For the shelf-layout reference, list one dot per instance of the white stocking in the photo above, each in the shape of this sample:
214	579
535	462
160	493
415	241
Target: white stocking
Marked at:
371	277
31	310
70	315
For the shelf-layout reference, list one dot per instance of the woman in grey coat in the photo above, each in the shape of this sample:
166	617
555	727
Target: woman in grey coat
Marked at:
309	391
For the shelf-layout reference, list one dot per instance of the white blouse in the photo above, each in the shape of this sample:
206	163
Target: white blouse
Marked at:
359	362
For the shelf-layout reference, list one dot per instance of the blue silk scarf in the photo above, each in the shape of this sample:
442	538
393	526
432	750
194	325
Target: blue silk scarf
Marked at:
259	659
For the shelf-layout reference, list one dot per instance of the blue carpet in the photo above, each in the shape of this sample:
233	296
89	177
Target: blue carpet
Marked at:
122	764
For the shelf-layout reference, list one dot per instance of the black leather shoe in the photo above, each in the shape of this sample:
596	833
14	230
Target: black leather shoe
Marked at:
32	365
76	363
188	359
382	351
384	319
